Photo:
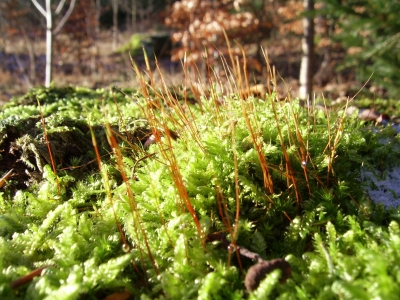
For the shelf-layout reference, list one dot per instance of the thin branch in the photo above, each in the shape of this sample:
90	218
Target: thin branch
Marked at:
65	17
59	7
39	7
23	71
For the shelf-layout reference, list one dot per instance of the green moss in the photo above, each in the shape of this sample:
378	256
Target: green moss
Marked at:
318	217
135	44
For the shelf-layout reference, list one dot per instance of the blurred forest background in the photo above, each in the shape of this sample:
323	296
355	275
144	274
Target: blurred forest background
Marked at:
93	41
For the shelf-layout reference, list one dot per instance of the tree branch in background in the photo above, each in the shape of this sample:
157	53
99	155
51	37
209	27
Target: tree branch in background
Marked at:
48	14
39	8
115	24
65	17
59	7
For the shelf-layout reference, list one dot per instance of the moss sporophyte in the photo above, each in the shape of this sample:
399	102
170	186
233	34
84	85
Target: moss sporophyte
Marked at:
228	196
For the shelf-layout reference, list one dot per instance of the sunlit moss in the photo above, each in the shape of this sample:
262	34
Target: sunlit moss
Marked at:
317	214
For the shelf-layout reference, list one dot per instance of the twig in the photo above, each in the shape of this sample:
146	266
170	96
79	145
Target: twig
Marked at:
27	278
5	178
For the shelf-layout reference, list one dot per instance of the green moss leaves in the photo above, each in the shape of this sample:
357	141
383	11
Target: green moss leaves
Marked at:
274	177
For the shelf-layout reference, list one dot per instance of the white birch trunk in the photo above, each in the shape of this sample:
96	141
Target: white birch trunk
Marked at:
115	24
307	59
48	14
134	16
49	44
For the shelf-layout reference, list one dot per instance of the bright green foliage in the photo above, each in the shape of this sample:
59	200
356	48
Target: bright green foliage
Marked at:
330	233
361	263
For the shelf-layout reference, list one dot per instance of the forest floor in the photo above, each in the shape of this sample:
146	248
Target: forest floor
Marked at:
77	64
328	172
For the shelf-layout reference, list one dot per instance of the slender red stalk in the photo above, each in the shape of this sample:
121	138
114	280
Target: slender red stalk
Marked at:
27	278
53	164
105	180
134	210
237	197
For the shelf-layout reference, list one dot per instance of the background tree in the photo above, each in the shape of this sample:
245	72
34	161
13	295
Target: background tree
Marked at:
79	35
47	12
115	7
17	21
131	7
307	59
369	30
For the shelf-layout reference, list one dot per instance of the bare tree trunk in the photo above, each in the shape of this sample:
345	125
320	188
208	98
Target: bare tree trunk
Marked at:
49	44
92	32
134	16
31	52
115	24
48	14
307	60
324	27
128	20
97	22
97	35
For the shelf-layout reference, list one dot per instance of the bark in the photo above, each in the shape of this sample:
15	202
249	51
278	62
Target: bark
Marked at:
49	44
32	60
65	17
307	60
95	67
325	29
115	24
134	16
48	14
128	19
97	22
130	7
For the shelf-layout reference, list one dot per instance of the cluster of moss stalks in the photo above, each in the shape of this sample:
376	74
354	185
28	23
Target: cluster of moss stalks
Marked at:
145	194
